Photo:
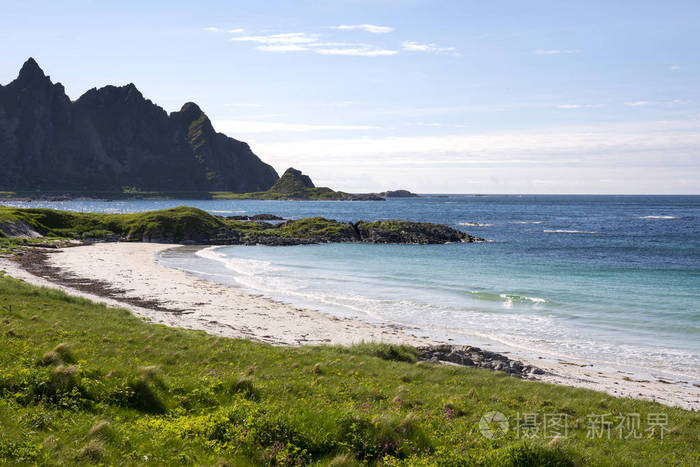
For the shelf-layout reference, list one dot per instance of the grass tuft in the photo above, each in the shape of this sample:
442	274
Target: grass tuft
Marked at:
241	385
102	430
144	398
65	352
93	451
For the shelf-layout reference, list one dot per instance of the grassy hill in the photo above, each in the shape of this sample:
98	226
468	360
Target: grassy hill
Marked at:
82	383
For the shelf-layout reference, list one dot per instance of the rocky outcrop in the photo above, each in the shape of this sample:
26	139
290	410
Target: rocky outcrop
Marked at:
19	229
292	181
398	194
465	355
112	139
411	232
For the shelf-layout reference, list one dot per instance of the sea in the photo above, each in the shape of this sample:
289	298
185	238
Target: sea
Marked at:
612	281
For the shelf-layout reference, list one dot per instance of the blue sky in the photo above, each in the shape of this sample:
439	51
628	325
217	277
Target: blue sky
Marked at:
433	96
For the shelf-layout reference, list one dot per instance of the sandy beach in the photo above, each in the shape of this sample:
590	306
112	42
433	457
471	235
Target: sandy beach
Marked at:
127	275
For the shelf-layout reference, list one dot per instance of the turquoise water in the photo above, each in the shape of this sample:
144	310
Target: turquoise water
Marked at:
607	279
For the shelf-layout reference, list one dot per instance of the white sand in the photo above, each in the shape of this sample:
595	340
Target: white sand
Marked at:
228	311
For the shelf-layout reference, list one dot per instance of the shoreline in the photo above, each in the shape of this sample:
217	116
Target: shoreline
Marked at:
127	275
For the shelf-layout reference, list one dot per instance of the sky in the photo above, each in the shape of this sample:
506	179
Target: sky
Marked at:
432	96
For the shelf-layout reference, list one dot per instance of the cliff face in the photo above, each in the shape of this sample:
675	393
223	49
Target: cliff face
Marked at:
112	138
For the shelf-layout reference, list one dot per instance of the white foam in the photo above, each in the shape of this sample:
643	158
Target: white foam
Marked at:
225	211
510	299
570	231
658	217
248	267
474	224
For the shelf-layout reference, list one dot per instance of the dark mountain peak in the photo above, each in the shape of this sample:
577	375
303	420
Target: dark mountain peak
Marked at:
190	114
31	70
190	108
292	180
114	137
127	95
31	75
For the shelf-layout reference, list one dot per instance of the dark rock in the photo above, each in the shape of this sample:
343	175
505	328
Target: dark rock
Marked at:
266	217
410	232
474	356
398	194
364	197
113	138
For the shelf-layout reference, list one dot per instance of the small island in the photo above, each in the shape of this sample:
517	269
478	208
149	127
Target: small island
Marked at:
294	185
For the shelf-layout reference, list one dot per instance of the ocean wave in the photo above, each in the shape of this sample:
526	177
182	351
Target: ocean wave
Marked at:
510	299
658	217
570	231
474	224
527	222
248	267
226	211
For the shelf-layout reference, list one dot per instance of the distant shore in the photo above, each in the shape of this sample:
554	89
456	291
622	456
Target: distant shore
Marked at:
127	275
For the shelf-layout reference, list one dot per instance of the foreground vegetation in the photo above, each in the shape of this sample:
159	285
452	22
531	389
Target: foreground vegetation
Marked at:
82	383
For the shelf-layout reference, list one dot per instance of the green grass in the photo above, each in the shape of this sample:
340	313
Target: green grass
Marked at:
82	383
176	222
177	225
311	194
14	245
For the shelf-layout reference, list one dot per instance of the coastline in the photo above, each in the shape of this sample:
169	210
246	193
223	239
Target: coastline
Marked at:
126	275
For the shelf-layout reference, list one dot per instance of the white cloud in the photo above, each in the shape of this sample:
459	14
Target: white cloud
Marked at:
233	31
630	143
281	39
374	29
636	103
303	42
282	48
576	157
423	111
234	127
555	52
244	104
675	67
358	52
411	46
579	106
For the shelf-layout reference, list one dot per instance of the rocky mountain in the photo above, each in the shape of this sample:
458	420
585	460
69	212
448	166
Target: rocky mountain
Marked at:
292	181
113	139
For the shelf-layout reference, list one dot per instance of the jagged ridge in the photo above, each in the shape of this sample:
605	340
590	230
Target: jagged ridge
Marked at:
113	139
